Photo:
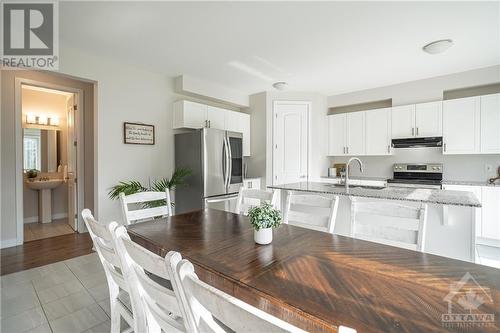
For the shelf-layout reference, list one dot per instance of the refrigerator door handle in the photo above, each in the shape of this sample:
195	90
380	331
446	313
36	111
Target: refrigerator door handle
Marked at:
226	163
230	162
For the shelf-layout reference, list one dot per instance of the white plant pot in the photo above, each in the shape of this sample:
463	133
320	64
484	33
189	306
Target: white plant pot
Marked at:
263	236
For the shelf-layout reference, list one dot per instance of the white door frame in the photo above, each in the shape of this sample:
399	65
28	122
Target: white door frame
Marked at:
274	124
19	149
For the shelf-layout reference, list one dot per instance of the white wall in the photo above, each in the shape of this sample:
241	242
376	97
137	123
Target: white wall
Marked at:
420	91
456	167
130	94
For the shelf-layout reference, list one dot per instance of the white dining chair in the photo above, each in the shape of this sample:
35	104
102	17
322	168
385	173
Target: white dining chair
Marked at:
119	298
161	309
144	214
389	223
248	198
211	310
311	211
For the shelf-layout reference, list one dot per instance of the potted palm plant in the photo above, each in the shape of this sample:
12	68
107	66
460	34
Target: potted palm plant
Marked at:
263	219
133	186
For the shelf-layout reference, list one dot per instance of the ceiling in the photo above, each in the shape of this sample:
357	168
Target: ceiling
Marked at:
326	47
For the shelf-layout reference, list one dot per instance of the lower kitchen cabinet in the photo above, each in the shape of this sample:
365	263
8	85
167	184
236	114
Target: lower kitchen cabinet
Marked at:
488	216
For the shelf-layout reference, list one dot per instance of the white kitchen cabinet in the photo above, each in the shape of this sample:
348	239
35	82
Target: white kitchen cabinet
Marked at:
189	115
477	190
196	115
490	212
355	122
429	119
337	134
252	183
403	121
216	117
378	131
417	120
461	126
490	124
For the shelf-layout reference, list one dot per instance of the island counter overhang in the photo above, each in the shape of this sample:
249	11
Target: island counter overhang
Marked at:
428	196
451	215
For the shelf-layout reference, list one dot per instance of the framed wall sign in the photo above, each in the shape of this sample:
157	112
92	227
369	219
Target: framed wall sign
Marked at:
138	134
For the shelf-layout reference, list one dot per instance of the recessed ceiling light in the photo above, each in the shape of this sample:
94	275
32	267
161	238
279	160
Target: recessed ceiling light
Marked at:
438	46
280	85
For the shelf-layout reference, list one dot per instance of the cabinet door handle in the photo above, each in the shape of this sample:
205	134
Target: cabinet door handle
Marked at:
444	146
343	150
209	125
388	149
347	150
412	131
417	131
206	123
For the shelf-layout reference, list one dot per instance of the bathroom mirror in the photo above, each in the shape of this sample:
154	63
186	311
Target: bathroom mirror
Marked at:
41	149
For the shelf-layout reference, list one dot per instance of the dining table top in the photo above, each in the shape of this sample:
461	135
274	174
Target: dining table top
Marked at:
318	281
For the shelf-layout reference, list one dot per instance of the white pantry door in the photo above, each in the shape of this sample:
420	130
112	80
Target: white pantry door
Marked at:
291	142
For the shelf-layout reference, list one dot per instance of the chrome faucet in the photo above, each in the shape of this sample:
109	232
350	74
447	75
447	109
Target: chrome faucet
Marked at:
347	170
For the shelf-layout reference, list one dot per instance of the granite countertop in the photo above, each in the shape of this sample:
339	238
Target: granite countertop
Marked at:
440	197
470	183
445	182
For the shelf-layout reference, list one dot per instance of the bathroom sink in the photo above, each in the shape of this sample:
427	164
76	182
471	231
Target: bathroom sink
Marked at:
44	184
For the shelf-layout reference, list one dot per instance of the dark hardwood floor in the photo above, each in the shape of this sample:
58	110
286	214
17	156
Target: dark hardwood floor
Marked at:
44	251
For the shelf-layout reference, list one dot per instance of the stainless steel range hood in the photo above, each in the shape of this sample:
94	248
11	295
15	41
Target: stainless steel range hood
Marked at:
430	142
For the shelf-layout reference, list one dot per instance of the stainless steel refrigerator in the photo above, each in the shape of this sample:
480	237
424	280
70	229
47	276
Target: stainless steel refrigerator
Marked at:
215	158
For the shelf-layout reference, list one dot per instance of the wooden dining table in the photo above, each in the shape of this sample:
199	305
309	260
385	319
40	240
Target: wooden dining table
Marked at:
318	281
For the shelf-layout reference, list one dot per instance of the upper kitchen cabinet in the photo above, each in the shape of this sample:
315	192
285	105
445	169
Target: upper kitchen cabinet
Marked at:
346	134
417	120
189	115
216	117
403	121
196	115
378	132
355	133
429	119
337	134
461	126
490	124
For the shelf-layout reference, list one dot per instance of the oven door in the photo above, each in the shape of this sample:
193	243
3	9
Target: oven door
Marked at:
235	172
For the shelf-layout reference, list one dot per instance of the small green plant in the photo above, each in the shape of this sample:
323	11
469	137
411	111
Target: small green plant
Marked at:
133	186
32	173
264	216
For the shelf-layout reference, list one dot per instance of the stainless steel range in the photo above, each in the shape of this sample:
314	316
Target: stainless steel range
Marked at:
417	175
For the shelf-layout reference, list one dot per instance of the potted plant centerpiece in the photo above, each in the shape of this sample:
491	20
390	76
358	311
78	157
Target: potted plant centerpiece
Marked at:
263	219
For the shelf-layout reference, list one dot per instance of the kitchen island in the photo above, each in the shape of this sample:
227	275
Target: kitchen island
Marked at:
451	220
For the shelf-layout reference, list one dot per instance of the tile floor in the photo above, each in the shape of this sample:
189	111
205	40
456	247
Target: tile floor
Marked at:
34	231
65	297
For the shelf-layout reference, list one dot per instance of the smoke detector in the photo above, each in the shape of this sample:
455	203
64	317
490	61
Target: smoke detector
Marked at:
280	85
438	46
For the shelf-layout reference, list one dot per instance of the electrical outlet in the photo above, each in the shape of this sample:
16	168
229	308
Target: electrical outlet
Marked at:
489	167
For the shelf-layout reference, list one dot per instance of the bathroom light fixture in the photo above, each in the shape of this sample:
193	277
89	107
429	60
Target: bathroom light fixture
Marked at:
42	120
31	118
438	46
54	121
280	85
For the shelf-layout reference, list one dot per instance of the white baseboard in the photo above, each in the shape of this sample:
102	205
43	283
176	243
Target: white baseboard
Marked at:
8	243
34	219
